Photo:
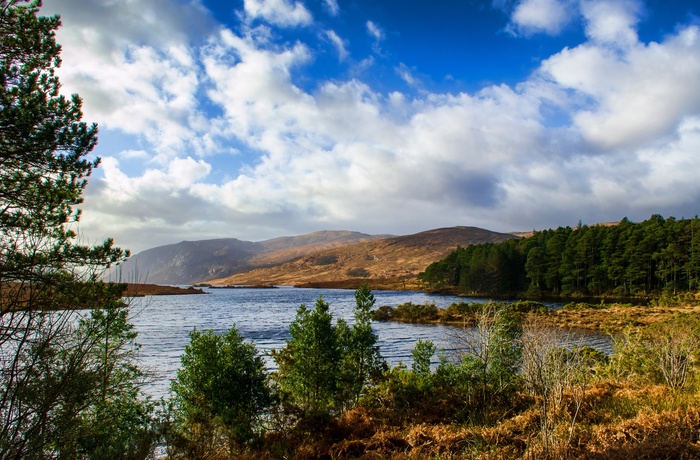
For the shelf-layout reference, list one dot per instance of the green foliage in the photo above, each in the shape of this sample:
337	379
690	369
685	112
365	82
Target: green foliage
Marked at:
485	376
652	257
491	351
220	394
120	423
383	313
310	363
325	368
69	387
408	312
412	313
422	354
664	352
526	306
361	360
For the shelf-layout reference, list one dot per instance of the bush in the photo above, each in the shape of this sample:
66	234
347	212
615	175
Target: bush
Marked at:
527	306
383	313
413	313
461	311
220	394
664	352
325	368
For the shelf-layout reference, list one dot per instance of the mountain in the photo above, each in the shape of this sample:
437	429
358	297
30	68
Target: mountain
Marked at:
389	263
190	262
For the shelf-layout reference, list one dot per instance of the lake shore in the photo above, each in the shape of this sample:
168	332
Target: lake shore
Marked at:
612	318
143	290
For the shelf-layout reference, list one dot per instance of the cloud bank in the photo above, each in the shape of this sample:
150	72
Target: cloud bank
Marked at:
223	139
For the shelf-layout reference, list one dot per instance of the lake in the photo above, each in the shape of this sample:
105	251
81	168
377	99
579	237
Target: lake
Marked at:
264	315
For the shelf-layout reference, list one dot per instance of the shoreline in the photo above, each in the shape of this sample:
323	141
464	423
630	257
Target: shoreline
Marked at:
144	290
612	318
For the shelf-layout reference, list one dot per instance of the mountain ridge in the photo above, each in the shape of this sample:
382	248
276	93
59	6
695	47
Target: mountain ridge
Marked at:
386	263
327	256
189	262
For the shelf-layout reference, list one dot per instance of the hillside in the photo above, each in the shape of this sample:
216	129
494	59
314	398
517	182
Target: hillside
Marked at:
190	262
391	262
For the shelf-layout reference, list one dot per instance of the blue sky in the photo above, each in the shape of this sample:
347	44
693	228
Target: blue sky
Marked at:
256	119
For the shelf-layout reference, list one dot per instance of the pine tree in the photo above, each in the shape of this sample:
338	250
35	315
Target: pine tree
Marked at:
52	377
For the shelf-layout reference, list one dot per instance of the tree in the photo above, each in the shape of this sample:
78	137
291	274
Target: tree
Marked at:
221	392
361	359
491	352
325	368
308	372
53	375
422	353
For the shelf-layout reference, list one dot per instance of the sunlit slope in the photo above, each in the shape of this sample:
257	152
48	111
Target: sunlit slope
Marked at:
391	262
191	262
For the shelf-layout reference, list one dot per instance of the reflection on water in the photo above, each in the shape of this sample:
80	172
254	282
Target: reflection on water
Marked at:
264	315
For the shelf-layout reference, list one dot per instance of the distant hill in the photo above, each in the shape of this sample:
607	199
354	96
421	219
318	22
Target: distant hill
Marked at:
390	262
190	262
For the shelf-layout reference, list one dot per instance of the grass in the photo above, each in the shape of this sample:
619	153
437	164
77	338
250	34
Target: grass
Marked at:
633	427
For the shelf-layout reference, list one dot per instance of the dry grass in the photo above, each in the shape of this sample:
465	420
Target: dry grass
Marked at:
614	317
654	423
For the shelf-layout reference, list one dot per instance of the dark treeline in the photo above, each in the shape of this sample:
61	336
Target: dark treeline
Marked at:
655	256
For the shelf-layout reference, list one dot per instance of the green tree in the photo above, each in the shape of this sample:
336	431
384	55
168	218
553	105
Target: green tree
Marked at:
361	359
119	423
220	394
491	352
308	372
54	377
422	353
536	269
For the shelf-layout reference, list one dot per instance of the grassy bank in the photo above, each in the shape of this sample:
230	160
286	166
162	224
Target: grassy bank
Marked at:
612	317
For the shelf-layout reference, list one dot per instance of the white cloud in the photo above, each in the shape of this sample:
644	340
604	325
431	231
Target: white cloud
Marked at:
138	72
638	96
339	44
377	34
279	12
541	16
134	154
332	7
611	22
406	75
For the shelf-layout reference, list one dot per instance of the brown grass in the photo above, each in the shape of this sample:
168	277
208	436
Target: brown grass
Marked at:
603	432
615	317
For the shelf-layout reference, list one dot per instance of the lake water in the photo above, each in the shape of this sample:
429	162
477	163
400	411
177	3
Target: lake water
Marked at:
264	315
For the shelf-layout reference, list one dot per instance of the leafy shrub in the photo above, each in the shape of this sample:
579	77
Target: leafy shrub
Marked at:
383	313
325	368
309	365
527	306
413	313
578	306
665	352
422	354
464	311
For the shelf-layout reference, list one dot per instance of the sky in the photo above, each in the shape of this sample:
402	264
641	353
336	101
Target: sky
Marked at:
255	119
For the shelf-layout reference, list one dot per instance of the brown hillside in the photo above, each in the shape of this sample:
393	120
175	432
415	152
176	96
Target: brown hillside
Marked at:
387	263
285	249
